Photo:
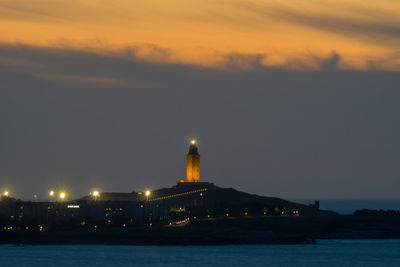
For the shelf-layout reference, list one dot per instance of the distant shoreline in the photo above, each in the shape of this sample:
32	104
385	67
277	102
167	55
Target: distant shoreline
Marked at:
347	206
279	230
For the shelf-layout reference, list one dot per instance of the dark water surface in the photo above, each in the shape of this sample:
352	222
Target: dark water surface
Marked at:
325	253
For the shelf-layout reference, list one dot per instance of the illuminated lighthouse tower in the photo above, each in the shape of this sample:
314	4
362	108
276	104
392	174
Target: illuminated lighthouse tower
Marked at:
193	163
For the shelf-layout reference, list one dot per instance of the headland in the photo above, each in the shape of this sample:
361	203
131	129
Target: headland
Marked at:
189	213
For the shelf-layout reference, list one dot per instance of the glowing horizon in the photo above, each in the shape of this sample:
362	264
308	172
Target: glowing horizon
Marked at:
299	35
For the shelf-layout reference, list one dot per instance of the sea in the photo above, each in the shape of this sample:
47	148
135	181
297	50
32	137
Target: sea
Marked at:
346	252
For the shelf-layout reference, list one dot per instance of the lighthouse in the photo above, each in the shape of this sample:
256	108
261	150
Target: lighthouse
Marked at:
193	163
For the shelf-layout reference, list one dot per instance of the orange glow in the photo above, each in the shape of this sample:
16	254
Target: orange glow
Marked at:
293	34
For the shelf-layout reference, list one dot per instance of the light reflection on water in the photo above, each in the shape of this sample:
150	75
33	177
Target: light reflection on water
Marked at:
350	252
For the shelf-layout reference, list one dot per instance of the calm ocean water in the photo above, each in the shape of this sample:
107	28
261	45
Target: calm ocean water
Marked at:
348	206
325	253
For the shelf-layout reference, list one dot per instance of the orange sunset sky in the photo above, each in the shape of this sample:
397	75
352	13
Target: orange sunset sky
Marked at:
289	34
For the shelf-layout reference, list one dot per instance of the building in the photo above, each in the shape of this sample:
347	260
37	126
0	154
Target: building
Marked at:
193	163
26	213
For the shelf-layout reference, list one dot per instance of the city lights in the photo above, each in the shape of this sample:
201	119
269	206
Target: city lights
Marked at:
51	194
147	193
95	194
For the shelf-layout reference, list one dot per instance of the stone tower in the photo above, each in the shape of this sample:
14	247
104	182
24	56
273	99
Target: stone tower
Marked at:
193	163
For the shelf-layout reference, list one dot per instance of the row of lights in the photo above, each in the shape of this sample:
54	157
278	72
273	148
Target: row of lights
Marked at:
182	194
62	195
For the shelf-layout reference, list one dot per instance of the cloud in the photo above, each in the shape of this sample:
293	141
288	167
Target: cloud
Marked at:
16	62
243	62
213	33
68	79
349	18
44	63
266	130
392	60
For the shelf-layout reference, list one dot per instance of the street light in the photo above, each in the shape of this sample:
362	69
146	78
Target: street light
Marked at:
62	195
6	193
96	194
51	194
147	194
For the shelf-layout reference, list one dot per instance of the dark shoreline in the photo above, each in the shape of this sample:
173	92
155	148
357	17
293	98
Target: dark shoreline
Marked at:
278	230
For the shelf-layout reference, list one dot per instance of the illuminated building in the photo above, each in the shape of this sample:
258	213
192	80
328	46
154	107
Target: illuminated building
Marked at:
193	164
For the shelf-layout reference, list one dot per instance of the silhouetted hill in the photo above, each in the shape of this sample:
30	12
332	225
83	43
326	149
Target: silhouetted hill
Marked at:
217	200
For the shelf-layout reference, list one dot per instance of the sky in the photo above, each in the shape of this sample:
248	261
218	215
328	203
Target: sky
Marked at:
293	99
